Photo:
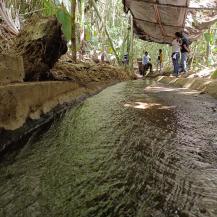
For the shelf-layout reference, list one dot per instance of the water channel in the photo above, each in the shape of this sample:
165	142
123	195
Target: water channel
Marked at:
137	149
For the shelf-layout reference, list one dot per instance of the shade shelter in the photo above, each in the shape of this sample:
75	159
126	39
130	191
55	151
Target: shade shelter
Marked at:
158	20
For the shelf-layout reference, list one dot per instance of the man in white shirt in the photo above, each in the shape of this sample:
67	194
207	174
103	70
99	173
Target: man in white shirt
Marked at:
176	46
146	63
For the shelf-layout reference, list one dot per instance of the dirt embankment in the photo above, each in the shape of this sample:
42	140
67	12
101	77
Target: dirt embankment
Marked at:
88	72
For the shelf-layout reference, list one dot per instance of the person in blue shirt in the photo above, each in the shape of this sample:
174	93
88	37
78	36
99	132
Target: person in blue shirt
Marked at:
146	62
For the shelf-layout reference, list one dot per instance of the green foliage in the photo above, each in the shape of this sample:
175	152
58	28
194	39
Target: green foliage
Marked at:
214	75
208	37
52	8
87	35
49	8
203	51
65	19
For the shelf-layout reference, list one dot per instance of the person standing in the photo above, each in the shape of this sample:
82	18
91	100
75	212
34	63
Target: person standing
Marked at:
176	46
126	59
184	54
146	63
160	61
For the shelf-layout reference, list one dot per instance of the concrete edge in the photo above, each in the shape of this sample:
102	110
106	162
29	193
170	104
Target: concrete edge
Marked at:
49	110
207	86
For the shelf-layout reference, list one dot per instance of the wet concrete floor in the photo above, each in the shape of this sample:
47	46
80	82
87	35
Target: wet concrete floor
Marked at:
137	149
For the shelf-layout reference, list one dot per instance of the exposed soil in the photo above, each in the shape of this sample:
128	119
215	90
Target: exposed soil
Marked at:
41	43
89	72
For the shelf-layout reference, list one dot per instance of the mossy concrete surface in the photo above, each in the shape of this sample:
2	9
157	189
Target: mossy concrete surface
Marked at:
208	86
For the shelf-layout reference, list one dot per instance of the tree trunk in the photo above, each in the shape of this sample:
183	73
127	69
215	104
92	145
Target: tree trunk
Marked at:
106	31
128	36
124	44
131	43
73	34
193	57
208	49
82	27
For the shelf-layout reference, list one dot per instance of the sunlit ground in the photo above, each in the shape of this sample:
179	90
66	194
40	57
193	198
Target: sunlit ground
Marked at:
159	89
205	72
181	91
140	104
146	105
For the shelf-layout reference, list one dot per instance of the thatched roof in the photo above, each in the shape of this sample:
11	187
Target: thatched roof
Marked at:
158	20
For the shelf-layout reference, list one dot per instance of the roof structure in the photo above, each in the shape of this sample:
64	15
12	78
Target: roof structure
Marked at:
158	20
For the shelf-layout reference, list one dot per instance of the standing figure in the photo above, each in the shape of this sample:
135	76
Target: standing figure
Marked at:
184	54
160	61
146	62
125	60
176	46
102	57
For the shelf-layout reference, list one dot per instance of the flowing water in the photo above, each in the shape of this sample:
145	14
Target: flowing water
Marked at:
135	150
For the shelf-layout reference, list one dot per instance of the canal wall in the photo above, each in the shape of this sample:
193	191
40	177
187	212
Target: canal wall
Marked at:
25	106
20	100
28	107
23	101
30	100
207	86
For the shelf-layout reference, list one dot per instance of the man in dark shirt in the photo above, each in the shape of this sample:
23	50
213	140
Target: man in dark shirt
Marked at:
184	54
